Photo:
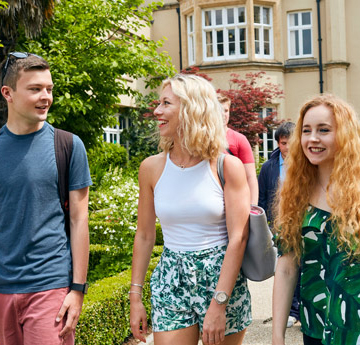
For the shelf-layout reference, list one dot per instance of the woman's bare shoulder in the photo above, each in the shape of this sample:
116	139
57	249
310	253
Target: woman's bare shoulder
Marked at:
153	161
234	169
151	168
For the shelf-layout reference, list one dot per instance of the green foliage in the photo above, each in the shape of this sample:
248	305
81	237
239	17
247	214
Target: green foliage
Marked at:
259	162
96	252
143	134
107	155
93	53
113	216
3	4
159	236
106	310
103	157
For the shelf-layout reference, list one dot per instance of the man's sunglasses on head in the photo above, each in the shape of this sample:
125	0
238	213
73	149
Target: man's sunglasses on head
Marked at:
16	55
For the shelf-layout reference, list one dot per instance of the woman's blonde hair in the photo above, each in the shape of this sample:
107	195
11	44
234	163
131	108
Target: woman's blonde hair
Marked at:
201	127
301	178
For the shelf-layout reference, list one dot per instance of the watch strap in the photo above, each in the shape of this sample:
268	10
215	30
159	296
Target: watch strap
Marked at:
79	287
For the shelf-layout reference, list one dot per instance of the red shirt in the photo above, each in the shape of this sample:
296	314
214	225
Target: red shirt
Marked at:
239	146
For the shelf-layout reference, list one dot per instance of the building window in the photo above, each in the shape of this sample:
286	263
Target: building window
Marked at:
263	32
224	33
268	144
300	34
191	40
113	134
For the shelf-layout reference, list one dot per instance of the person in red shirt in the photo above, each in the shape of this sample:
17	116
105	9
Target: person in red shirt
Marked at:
240	147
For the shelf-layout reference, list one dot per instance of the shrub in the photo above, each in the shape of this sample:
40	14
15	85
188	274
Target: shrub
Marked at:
97	251
159	235
103	157
114	203
106	310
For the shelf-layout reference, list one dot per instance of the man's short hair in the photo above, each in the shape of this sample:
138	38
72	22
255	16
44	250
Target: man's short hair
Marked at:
16	66
223	99
284	130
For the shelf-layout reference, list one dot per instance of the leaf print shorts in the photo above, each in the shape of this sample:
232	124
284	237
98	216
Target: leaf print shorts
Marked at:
182	286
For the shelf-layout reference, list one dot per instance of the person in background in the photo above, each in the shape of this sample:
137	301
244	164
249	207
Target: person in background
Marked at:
42	270
272	171
271	175
318	226
240	147
197	285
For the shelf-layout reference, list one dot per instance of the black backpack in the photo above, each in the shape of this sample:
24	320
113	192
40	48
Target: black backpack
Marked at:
63	149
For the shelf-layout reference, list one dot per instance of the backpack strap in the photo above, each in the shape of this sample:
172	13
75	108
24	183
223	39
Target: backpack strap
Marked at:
63	149
220	169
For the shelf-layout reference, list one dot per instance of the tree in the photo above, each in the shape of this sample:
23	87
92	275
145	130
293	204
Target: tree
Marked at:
248	97
18	16
94	53
3	5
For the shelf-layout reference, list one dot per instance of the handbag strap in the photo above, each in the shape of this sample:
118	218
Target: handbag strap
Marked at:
220	169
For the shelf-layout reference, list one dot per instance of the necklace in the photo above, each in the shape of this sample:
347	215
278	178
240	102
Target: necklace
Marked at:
184	165
181	165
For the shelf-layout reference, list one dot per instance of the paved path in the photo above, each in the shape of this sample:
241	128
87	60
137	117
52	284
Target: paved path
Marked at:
259	333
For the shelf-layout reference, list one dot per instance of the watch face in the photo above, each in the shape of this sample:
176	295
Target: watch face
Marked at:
221	297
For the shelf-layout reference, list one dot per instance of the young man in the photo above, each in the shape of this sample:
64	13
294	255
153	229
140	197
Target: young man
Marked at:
240	147
42	271
272	173
272	170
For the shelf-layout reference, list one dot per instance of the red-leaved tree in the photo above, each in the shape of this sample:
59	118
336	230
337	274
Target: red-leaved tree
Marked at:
249	96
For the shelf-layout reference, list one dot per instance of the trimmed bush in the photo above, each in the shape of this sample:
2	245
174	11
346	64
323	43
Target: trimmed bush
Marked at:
97	251
106	310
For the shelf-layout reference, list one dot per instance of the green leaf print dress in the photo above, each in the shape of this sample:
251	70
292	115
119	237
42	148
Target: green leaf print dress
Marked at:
330	284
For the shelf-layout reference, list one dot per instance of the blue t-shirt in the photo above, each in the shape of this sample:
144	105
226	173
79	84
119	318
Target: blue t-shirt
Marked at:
34	249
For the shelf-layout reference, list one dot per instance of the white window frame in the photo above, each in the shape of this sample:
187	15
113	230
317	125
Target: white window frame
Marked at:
213	28
300	28
265	137
112	134
262	27
191	39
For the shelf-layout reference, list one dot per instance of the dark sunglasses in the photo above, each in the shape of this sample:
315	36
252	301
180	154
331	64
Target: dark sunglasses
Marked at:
16	55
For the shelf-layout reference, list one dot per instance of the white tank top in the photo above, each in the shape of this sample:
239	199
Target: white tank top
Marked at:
190	206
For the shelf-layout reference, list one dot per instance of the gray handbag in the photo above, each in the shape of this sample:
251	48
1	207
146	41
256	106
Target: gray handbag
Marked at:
260	254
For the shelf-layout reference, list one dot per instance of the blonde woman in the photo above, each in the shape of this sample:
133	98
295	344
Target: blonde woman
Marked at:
197	286
319	226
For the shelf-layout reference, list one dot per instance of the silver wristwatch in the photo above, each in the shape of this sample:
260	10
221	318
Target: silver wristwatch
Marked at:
221	297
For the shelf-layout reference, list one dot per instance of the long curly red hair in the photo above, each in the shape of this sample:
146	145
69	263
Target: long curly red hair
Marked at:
301	176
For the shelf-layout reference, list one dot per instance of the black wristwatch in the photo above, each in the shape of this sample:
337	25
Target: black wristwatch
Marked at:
80	287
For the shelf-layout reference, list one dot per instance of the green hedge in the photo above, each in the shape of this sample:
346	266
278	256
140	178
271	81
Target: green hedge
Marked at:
106	310
97	251
106	261
96	231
